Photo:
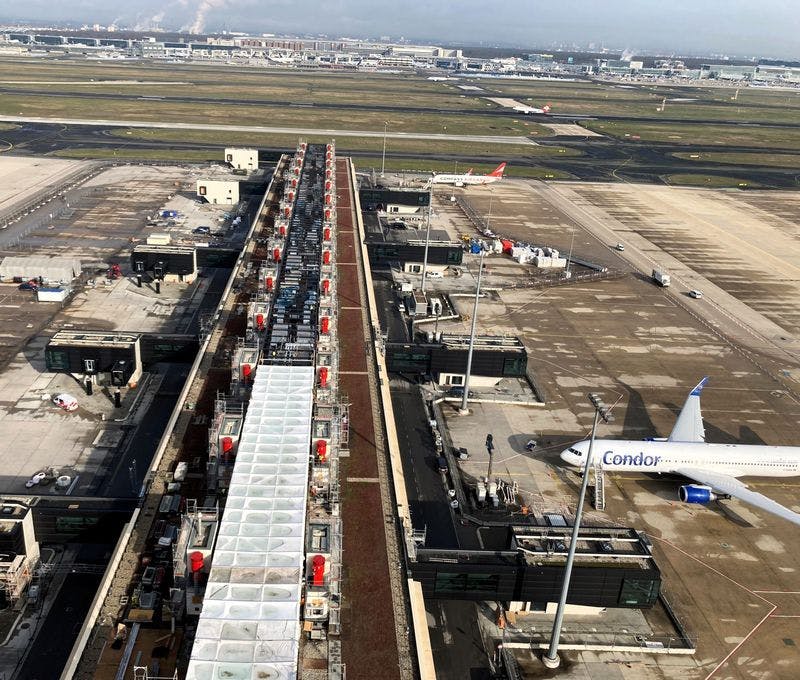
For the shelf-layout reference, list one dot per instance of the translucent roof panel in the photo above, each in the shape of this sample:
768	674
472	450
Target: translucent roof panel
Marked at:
250	624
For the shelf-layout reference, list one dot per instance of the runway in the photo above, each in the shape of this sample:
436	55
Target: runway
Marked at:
258	129
602	159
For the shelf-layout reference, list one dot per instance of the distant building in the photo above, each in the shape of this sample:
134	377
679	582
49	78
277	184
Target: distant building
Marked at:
782	74
727	71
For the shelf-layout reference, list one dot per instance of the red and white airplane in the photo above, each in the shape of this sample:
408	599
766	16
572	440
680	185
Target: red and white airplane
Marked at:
468	178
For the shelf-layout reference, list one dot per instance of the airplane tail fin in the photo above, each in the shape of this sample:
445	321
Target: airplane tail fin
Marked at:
689	425
498	171
546	108
468	172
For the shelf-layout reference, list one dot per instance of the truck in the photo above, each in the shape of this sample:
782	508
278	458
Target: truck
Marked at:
661	278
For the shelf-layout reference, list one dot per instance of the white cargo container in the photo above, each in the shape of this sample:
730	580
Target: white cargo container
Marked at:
51	294
661	278
158	239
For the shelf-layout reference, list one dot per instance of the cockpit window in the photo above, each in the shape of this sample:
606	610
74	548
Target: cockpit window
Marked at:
576	452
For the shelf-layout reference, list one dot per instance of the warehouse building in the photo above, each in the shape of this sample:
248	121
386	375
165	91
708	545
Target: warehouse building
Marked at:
50	270
242	159
165	263
95	353
221	191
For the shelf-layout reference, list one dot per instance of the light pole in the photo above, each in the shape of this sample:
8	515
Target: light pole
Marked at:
427	239
567	272
489	214
383	155
464	410
551	659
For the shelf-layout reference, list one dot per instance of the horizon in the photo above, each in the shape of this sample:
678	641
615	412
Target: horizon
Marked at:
715	29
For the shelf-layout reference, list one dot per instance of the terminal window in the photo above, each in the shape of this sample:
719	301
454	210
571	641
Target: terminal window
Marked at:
483	584
638	592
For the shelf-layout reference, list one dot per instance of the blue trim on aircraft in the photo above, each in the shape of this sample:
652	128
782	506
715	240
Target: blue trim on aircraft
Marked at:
696	391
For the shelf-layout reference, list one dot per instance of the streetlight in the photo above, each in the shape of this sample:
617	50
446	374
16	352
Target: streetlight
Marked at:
551	659
383	156
427	238
464	410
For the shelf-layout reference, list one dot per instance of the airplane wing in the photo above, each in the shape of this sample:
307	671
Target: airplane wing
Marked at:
689	425
731	486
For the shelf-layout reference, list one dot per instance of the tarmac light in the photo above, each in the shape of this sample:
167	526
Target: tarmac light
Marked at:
551	659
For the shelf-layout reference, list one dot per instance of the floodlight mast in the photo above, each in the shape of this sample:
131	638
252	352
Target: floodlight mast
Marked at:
601	411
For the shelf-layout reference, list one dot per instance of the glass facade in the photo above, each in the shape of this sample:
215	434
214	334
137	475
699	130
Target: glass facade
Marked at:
475	584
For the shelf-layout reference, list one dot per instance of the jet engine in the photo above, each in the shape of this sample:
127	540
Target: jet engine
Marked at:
696	493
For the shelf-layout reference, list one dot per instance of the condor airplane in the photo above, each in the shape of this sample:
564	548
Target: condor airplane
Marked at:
468	178
532	109
714	467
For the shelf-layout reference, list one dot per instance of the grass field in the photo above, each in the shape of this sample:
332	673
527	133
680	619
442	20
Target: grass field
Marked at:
458	113
697	134
363	163
230	114
177	155
770	160
236	83
685	102
345	144
423	166
712	181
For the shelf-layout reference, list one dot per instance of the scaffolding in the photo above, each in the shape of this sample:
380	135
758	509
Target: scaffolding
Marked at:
227	412
15	575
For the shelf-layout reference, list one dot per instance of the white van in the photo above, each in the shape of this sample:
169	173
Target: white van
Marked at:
434	275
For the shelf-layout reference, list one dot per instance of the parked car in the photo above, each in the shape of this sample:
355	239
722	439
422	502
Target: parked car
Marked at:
65	401
201	230
29	285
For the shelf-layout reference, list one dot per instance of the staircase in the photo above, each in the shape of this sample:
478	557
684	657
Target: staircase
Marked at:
599	487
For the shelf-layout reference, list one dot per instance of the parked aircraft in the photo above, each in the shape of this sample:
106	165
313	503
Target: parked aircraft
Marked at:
468	178
713	467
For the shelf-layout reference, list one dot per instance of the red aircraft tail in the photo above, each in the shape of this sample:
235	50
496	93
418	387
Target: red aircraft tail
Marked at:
498	171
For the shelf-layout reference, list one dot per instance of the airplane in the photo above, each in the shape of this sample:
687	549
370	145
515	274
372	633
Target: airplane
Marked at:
532	109
713	468
468	178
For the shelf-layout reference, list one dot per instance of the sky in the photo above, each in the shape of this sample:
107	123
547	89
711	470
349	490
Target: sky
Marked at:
735	27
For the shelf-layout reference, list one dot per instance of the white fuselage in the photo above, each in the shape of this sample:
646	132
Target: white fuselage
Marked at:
736	460
461	180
